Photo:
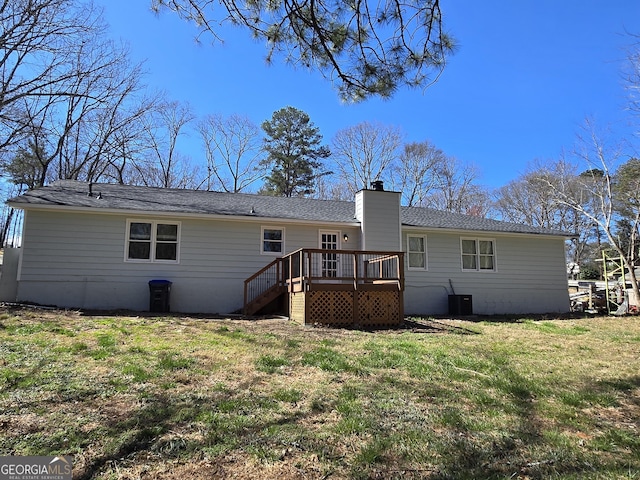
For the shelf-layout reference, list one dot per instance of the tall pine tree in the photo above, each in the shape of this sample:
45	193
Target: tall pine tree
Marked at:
293	146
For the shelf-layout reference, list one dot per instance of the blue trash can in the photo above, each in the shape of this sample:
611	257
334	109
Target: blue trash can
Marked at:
159	295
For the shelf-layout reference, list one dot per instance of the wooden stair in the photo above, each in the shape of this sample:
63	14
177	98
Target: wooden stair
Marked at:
264	287
379	274
265	299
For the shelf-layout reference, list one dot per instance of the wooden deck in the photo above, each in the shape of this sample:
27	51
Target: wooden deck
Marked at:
331	287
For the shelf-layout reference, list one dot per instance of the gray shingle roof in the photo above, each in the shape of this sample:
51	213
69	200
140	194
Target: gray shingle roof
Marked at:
428	217
73	194
70	193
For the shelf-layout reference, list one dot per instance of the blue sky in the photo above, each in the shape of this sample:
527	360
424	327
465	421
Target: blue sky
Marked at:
525	77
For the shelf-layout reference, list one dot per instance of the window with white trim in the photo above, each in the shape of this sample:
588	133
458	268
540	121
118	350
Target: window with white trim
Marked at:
272	241
152	241
478	254
417	252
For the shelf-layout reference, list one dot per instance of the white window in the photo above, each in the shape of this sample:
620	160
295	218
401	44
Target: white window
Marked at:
152	241
272	241
478	254
417	252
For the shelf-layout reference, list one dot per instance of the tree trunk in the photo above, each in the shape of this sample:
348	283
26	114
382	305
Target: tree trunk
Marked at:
632	278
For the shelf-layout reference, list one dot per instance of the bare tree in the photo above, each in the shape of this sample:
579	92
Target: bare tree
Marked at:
39	42
366	48
627	202
632	78
72	122
415	173
531	200
119	139
118	120
233	146
456	189
596	185
83	127
364	153
164	165
9	217
327	188
76	131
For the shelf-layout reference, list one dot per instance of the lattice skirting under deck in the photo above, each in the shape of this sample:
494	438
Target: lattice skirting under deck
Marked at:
347	308
297	307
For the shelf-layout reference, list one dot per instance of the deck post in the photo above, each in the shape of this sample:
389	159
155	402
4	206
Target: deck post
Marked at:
355	271
279	273
246	298
365	274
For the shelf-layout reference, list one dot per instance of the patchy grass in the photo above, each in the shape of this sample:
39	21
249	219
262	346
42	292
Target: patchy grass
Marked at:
176	397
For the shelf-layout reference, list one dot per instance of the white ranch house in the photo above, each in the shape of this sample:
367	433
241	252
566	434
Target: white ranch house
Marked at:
97	246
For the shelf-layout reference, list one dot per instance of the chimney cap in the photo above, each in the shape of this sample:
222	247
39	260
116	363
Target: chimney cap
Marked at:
377	185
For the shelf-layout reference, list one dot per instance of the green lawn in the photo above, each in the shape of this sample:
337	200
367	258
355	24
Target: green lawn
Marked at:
176	397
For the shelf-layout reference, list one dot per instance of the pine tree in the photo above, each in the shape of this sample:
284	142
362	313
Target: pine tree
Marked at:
28	168
293	146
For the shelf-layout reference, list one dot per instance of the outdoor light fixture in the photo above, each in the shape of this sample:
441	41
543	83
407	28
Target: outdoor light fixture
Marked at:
345	237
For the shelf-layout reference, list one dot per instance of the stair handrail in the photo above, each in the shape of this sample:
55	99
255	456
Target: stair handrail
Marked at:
249	293
293	271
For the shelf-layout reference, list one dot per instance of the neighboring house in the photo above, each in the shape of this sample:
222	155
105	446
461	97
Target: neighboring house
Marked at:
96	246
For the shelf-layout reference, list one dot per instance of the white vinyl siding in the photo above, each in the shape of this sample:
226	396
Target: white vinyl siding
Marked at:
152	241
379	214
417	252
530	277
478	254
75	260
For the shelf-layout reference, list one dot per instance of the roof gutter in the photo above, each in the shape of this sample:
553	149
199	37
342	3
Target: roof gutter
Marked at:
489	232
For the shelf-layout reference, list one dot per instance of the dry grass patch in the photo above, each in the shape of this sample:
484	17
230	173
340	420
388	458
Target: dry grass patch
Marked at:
179	397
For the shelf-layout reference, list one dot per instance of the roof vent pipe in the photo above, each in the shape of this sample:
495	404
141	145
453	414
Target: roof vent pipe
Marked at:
377	185
90	194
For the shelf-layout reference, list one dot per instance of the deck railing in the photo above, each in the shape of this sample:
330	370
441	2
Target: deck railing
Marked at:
268	278
305	268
